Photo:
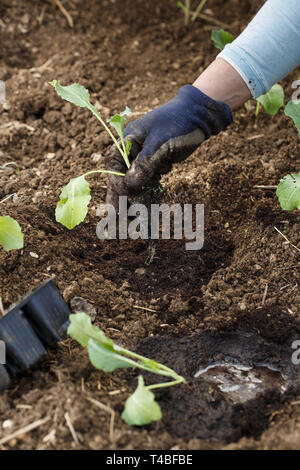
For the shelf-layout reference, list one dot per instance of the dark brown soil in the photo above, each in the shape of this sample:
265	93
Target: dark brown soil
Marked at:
138	55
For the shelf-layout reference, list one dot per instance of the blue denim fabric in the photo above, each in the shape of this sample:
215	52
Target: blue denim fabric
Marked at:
269	48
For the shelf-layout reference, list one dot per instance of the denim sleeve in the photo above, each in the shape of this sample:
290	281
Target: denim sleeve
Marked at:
269	48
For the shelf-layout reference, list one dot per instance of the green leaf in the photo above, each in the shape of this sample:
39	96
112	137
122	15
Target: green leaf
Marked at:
81	329
72	208
80	96
105	358
292	110
118	121
11	236
74	93
273	100
101	349
220	38
141	407
288	192
181	5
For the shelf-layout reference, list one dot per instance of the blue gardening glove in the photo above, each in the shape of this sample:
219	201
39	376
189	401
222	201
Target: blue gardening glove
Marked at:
167	135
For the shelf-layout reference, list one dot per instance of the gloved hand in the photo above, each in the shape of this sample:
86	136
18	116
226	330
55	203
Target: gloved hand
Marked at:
164	136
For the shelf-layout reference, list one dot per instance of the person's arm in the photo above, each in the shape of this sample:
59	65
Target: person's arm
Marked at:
265	52
222	82
269	48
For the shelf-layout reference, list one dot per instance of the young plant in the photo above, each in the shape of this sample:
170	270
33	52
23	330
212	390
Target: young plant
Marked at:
288	192
292	110
72	208
271	101
141	407
220	38
187	10
11	236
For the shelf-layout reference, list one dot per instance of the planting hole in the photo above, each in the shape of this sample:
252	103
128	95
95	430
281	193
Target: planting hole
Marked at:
236	380
242	382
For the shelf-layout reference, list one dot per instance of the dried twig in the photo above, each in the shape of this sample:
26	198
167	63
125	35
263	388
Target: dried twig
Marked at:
294	403
275	413
40	18
64	12
7	167
24	430
198	9
213	20
265	294
117	392
43	67
262	186
108	410
7	197
71	428
145	308
16	125
287	240
254	137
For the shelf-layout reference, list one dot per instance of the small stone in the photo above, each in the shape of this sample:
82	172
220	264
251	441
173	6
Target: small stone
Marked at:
25	18
78	304
67	108
50	437
12	443
87	281
125	285
69	291
120	317
178	306
96	157
40	235
140	271
7	424
59	267
242	306
33	255
105	139
50	155
22	29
